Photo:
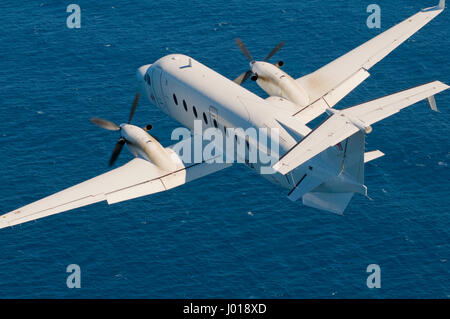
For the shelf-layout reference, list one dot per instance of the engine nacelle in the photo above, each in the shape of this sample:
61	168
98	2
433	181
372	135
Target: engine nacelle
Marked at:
278	83
141	143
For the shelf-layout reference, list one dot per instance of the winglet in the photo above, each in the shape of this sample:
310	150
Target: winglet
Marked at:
432	103
440	6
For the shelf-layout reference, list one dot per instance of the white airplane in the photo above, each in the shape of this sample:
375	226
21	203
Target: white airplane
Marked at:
324	167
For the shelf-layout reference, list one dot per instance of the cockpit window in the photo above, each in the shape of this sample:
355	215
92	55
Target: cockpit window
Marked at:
175	99
205	119
147	79
195	111
185	105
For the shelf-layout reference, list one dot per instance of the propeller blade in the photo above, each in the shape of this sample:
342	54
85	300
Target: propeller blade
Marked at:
275	50
243	77
117	149
133	107
107	125
244	50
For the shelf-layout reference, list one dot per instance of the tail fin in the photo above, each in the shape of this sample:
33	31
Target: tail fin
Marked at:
335	194
330	202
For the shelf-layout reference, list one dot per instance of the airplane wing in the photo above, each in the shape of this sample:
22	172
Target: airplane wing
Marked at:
331	83
137	178
347	122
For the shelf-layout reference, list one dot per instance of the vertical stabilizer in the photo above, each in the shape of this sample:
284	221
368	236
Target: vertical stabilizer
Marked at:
335	194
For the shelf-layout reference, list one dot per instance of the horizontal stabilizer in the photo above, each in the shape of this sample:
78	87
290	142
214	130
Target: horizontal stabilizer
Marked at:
344	123
373	155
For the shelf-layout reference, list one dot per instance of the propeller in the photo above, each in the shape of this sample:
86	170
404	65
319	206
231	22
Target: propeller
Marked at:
107	125
111	126
244	50
275	50
244	76
117	149
133	106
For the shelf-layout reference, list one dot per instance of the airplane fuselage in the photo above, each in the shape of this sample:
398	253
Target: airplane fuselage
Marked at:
187	90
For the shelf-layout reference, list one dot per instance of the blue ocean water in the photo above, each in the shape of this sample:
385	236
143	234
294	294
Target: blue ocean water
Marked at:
232	234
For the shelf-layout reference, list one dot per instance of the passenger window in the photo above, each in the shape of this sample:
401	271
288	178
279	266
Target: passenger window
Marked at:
205	118
175	99
195	111
185	105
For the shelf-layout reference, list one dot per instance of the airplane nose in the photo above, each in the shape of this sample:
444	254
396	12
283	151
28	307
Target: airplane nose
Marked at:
141	71
140	74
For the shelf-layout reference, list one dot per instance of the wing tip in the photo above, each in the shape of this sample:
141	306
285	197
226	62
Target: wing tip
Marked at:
440	6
